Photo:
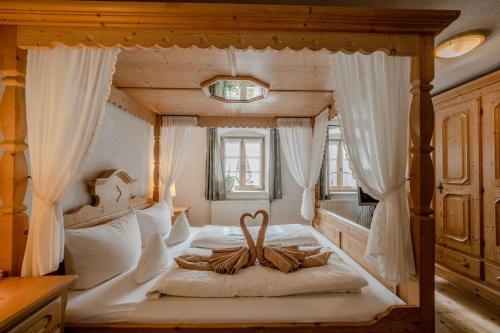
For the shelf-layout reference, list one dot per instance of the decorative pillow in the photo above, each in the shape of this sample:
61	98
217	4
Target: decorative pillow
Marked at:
153	261
156	219
99	253
180	230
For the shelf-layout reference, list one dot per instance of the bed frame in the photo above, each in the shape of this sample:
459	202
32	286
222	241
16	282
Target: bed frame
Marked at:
28	24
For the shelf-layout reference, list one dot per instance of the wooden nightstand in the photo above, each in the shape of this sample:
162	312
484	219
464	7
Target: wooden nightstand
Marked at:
180	209
34	304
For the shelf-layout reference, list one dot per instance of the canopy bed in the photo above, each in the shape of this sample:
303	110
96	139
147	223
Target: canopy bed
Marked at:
108	26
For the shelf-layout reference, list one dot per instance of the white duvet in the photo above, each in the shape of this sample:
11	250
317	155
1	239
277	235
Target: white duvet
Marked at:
218	237
336	276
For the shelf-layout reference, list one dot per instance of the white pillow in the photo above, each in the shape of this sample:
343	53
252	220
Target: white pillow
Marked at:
153	261
156	219
180	230
99	253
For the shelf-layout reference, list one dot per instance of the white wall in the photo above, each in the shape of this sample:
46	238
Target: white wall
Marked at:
190	188
124	142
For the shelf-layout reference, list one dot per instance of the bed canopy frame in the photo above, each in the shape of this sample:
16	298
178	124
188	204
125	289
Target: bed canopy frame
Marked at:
32	24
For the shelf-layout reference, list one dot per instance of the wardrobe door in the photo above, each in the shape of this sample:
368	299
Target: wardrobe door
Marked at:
491	174
457	140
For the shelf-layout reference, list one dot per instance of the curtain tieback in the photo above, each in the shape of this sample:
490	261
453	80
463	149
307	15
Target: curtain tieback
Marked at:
393	190
42	199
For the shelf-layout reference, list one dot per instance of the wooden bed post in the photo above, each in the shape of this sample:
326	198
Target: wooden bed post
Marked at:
156	149
13	167
422	177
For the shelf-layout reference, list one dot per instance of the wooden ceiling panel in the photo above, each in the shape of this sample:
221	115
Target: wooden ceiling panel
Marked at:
287	69
289	104
181	102
169	68
194	102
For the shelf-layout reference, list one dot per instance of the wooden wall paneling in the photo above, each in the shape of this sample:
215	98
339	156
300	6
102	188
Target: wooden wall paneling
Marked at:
129	104
491	170
422	178
156	153
13	167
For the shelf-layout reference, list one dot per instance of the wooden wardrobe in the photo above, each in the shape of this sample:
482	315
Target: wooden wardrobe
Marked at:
467	196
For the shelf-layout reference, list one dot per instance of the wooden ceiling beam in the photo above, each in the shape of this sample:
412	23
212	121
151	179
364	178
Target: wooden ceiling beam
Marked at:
131	105
198	89
229	17
236	121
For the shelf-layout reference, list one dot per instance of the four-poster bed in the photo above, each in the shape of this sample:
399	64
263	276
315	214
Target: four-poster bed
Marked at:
410	33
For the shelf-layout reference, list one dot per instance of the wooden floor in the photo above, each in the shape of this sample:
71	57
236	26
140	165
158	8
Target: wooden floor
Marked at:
458	312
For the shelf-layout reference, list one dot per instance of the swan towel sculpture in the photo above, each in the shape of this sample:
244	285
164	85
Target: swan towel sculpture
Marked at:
230	260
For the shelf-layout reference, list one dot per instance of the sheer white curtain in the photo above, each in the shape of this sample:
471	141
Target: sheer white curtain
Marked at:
175	138
373	99
303	150
66	93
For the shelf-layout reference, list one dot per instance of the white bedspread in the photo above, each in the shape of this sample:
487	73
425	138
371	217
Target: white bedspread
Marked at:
120	300
218	237
336	276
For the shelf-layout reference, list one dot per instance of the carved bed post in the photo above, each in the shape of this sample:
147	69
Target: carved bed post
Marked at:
13	167
422	177
156	171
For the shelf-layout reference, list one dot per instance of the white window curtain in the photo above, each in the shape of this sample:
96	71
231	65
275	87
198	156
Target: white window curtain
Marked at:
175	139
373	100
66	93
303	150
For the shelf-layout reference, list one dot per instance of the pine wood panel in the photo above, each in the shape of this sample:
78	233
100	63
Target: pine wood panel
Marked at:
13	166
194	102
458	207
224	16
458	262
22	296
491	169
126	103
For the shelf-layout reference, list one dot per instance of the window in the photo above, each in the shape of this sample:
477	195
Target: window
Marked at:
340	174
244	160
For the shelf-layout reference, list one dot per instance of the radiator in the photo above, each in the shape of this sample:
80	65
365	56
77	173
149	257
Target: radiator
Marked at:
349	209
228	212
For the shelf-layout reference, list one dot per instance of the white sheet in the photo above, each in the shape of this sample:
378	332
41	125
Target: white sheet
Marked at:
217	237
120	300
336	276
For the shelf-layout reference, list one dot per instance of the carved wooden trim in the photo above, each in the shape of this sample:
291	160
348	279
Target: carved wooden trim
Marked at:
422	178
224	16
242	122
13	166
394	44
398	318
464	124
129	104
112	198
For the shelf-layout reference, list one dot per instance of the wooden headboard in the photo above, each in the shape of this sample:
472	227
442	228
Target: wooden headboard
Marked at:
112	198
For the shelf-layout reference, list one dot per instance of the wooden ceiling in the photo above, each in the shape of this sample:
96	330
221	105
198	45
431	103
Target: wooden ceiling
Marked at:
167	80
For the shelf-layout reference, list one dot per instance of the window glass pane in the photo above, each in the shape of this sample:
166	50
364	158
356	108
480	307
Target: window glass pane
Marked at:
253	179
334	132
347	178
232	167
231	148
332	165
252	148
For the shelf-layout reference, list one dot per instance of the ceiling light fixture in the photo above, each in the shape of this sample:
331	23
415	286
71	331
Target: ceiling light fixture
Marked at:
459	45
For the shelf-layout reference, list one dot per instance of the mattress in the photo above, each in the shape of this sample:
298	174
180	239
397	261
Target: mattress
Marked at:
120	300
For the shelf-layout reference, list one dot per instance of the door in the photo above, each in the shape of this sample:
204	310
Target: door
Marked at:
457	195
491	175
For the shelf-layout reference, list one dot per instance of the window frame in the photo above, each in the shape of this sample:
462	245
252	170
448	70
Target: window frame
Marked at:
243	187
340	157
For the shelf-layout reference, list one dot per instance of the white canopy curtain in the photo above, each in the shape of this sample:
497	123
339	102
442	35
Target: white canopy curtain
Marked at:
303	150
175	138
66	94
373	100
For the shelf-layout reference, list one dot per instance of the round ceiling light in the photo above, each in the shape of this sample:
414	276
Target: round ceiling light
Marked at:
459	45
